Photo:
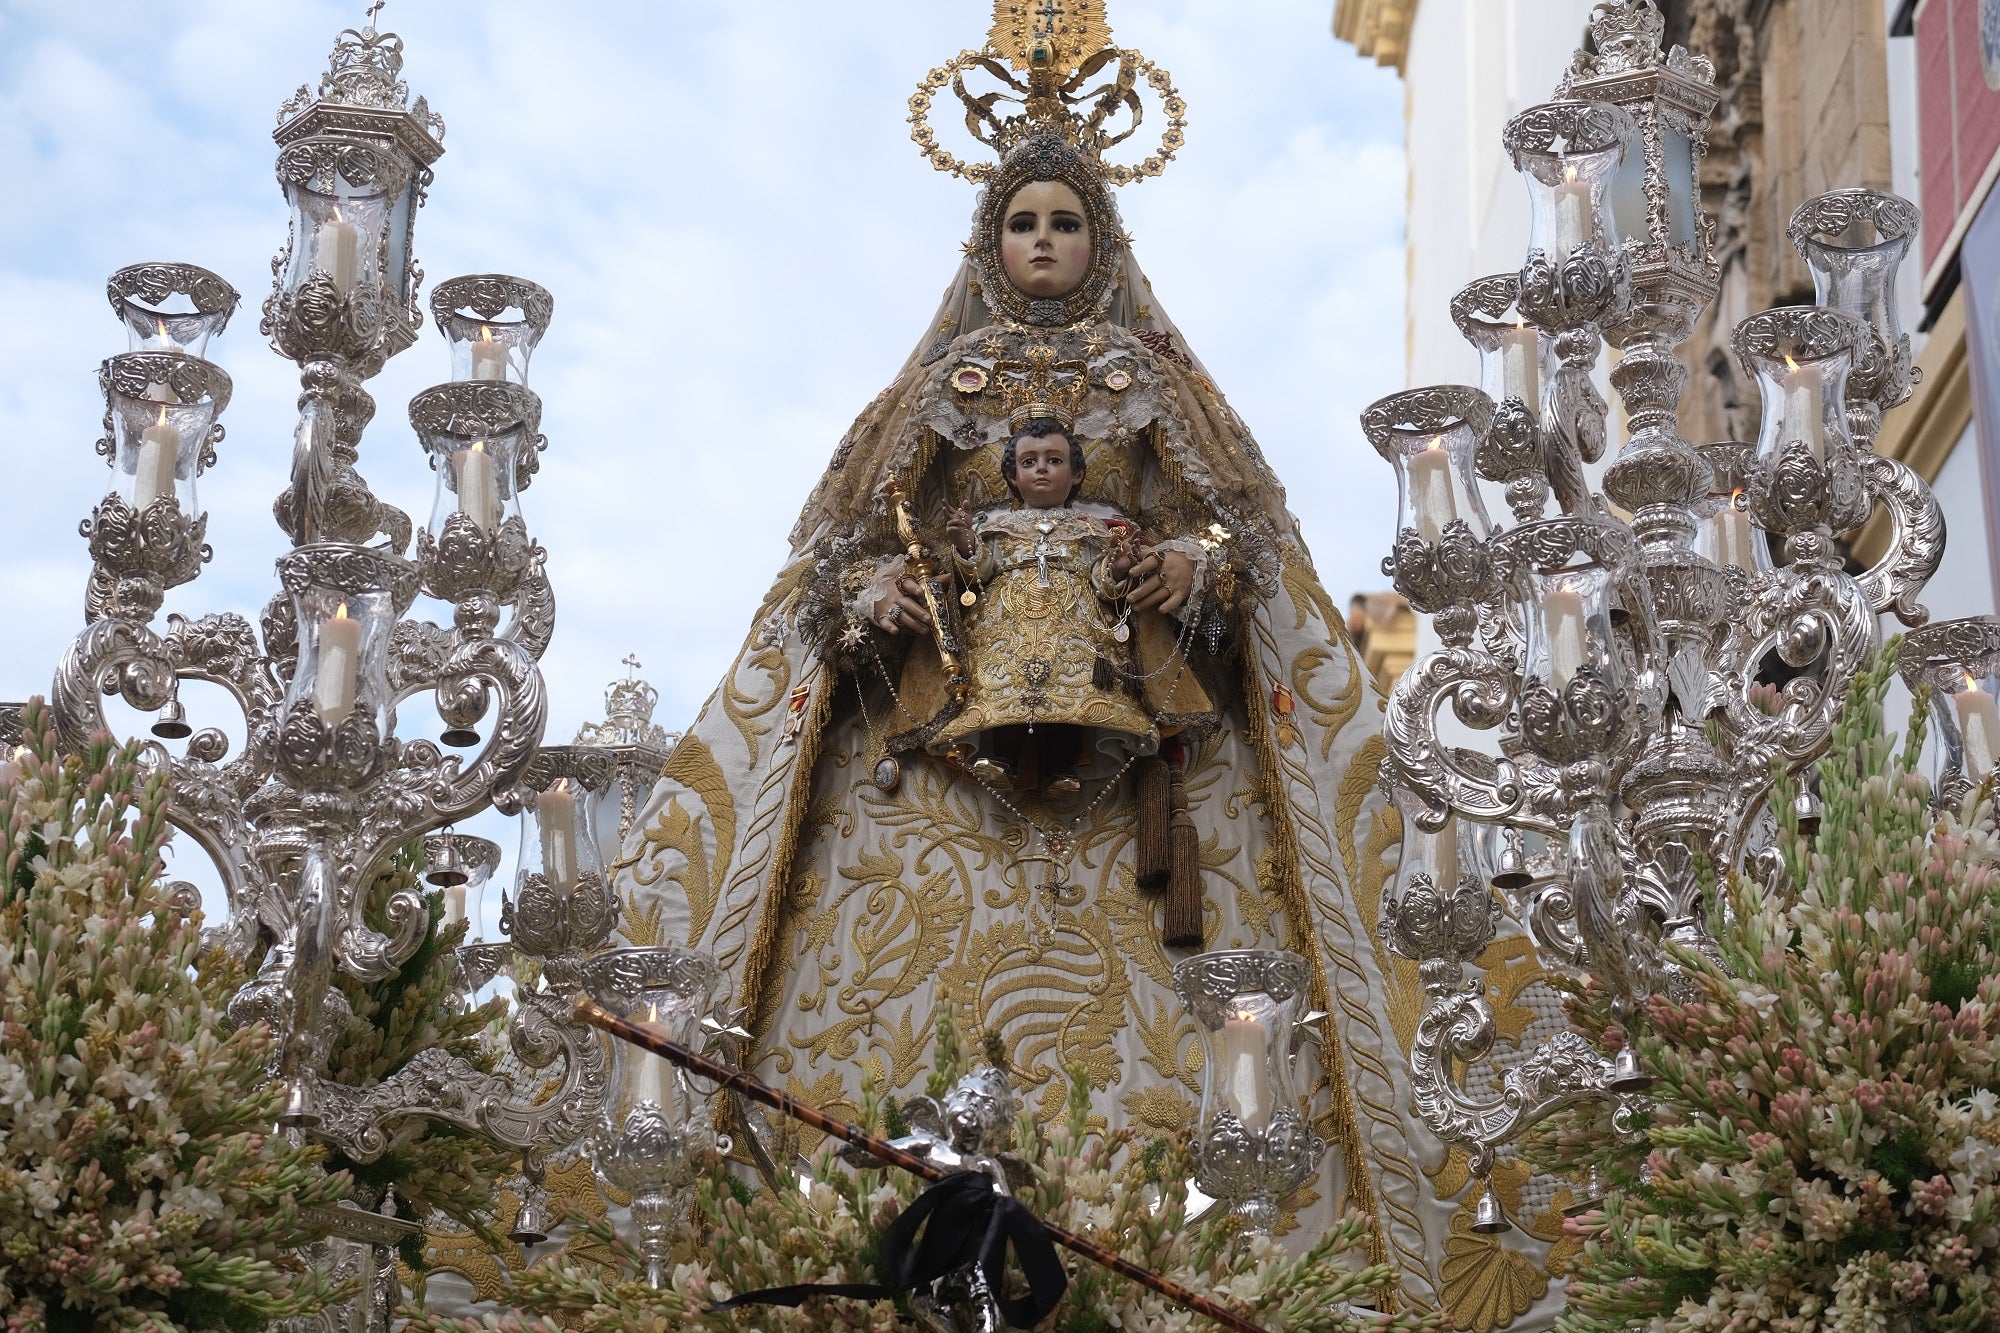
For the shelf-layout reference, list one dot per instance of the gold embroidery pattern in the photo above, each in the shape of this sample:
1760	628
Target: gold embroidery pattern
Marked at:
1035	649
691	766
902	934
1486	1285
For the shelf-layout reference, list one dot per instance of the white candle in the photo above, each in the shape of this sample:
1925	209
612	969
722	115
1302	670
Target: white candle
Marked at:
337	250
1979	724
454	904
649	1079
1245	1074
1562	620
1729	528
1521	366
478	495
1444	854
339	661
159	455
1804	408
1430	490
556	814
489	358
1572	213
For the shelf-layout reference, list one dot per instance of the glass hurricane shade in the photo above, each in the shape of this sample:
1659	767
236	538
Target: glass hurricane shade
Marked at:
556	841
1435	485
476	476
342	668
1801	357
1568	155
158	435
1569	627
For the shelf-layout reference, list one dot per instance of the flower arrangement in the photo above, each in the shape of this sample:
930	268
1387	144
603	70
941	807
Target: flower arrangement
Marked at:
141	1187
1110	1188
1824	1140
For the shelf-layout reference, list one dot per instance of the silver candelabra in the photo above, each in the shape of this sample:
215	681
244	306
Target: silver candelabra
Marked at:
1647	654
324	792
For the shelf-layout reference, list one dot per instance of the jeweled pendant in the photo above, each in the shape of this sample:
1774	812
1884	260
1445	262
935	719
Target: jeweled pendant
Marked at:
888	773
1120	632
968	598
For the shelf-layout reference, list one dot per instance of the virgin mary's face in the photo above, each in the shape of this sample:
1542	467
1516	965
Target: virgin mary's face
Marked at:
1045	240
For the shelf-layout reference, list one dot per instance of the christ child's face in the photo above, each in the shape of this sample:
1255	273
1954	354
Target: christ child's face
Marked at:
1043	473
1045	240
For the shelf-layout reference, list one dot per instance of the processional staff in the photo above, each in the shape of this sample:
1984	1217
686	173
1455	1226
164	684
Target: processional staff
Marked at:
923	568
589	1011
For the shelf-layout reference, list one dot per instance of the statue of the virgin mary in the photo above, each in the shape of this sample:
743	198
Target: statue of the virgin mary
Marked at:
892	806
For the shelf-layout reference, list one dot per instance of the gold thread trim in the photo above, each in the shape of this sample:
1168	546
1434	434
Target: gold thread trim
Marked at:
777	888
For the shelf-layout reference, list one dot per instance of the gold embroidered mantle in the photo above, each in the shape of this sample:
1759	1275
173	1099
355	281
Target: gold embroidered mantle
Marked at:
847	916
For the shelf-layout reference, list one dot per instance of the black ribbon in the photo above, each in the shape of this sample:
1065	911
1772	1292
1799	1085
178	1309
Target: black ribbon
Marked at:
969	1222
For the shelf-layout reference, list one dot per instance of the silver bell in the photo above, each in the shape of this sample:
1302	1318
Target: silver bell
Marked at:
1805	808
1487	1217
447	864
1626	1076
300	1111
1590	1195
531	1224
172	724
1510	870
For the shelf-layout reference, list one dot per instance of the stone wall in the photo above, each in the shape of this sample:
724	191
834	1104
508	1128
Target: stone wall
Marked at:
1805	109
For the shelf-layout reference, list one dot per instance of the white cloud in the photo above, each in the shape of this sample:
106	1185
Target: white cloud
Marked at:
743	245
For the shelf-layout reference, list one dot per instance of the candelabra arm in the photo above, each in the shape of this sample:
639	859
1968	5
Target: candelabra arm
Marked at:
534	621
425	790
437	1086
518	718
110	656
1916	540
1480	687
308	970
1808	613
1457	1029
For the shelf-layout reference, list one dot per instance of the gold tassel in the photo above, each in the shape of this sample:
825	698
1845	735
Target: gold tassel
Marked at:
1181	926
1154	794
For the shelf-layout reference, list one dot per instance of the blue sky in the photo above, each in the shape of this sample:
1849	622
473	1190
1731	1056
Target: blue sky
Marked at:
743	245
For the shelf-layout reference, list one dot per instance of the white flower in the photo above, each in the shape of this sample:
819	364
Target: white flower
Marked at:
1760	999
192	1199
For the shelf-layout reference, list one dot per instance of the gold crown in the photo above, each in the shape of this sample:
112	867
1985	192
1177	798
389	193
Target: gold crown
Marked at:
1043	53
1041	386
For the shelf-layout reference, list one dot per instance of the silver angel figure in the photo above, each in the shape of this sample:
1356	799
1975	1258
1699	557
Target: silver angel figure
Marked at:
969	1132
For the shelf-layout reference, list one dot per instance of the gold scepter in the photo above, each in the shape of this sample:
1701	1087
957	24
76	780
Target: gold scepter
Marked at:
923	569
589	1011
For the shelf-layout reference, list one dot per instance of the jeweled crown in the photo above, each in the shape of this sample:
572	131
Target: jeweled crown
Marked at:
1045	55
1041	386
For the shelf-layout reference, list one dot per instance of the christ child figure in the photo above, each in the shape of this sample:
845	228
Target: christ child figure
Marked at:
1048	631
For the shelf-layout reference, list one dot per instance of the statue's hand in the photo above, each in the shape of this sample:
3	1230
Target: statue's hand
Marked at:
1164	580
958	528
903	609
